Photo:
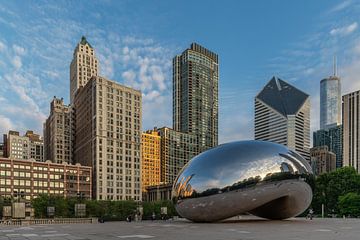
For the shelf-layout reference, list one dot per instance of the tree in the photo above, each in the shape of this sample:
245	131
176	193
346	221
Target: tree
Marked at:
330	186
349	204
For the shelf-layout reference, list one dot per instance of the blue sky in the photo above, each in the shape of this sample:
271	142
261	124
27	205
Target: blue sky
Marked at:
136	40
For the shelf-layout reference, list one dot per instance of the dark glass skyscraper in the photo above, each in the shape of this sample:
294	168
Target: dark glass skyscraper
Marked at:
333	139
195	94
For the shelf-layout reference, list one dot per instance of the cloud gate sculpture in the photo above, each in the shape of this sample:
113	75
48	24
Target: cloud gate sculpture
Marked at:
261	178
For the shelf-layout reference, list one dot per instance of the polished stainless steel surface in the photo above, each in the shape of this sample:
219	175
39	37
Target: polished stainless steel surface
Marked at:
262	178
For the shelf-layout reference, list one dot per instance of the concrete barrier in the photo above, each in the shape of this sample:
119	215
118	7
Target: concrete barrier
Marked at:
45	221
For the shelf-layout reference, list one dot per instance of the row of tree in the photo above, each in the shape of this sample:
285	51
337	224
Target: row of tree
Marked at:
107	210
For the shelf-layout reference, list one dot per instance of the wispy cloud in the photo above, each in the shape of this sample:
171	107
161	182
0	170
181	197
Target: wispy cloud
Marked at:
345	30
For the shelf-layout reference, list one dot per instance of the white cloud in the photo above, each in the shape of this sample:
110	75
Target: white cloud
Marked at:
340	6
343	31
16	61
18	50
5	124
2	46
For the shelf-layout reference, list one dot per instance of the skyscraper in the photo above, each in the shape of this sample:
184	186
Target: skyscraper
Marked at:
351	128
58	132
282	115
83	66
150	158
330	101
108	137
195	94
331	137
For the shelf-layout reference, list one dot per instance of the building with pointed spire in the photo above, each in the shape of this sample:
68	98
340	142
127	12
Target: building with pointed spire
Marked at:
282	115
330	101
83	66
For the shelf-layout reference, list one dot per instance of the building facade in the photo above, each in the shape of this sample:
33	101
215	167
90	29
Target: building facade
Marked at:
351	128
108	138
177	149
322	160
282	115
29	146
1	149
195	94
331	137
27	179
83	66
330	102
150	158
58	134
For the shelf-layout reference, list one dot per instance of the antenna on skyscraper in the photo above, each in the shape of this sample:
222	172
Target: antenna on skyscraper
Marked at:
335	66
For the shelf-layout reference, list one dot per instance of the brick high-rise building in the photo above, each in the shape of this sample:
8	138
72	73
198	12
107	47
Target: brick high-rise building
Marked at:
195	95
108	138
58	135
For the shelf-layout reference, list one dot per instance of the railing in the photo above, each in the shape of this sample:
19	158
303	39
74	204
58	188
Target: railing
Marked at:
49	221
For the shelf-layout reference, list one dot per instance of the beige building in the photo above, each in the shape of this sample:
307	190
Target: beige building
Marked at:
29	146
108	138
58	132
150	158
322	160
351	130
83	66
177	149
161	192
27	179
282	115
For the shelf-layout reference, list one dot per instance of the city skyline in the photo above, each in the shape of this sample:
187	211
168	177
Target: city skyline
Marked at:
34	65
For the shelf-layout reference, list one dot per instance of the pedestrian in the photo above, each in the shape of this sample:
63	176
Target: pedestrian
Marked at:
153	216
310	215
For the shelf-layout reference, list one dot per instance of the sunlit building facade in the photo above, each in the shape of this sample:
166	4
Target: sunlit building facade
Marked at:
150	160
195	94
282	115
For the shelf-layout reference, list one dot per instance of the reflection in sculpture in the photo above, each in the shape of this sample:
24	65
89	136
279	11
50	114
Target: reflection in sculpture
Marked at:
262	178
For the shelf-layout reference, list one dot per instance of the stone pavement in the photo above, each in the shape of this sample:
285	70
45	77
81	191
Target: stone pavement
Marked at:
243	228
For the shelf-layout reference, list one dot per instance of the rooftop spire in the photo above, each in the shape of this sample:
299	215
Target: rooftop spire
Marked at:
84	41
335	66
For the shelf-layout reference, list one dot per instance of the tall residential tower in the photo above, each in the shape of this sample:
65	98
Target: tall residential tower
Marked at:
195	94
282	115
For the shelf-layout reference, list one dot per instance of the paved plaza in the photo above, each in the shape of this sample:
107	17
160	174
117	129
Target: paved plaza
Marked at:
298	228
